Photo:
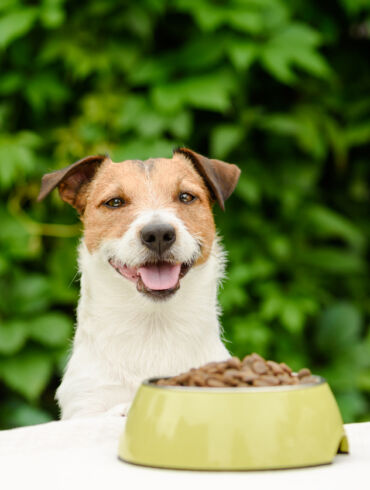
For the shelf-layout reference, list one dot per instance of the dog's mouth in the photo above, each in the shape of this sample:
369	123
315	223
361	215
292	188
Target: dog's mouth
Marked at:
158	280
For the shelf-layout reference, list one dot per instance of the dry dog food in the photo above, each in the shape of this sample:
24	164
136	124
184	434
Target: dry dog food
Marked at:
253	370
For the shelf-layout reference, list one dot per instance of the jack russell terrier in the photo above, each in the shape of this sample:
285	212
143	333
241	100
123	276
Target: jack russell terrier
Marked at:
150	264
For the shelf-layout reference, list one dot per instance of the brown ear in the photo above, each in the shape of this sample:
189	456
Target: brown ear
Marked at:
71	181
220	177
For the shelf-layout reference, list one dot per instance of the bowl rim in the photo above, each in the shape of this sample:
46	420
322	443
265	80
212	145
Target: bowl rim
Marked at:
232	389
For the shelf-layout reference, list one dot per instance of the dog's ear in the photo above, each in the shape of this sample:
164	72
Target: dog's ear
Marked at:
221	177
72	181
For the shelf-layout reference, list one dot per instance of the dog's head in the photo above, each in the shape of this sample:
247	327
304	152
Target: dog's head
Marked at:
150	221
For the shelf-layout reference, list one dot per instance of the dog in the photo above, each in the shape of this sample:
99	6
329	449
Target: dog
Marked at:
150	263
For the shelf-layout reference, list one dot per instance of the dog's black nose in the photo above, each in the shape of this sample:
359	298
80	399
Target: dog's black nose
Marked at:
158	236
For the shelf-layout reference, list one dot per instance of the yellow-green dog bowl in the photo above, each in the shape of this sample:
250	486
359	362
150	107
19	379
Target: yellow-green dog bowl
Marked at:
233	428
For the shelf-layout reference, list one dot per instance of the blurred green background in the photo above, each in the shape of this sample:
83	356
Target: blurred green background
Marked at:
281	88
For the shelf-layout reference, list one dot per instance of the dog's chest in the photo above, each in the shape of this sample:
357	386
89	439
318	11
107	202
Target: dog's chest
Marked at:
128	338
151	346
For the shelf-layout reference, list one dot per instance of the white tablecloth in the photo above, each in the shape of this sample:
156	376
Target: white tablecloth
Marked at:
82	454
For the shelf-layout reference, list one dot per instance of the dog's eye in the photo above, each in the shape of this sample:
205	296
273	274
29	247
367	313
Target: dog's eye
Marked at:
116	202
186	197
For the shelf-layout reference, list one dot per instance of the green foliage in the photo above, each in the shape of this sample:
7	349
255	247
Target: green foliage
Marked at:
280	88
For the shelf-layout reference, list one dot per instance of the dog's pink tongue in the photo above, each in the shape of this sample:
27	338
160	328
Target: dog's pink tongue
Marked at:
160	276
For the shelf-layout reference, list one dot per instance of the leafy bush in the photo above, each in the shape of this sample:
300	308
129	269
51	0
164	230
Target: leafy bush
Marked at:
280	88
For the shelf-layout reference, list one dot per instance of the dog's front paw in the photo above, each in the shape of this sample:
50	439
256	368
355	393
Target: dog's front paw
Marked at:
119	410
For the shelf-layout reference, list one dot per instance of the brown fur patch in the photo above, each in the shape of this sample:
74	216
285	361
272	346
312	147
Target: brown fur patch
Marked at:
157	184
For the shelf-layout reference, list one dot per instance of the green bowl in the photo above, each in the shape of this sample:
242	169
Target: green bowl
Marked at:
233	428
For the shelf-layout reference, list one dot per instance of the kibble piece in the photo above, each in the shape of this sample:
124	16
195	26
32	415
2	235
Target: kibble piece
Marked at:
234	362
212	367
251	358
247	361
162	382
257	357
215	383
222	366
275	367
235	373
270	380
260	382
199	379
259	367
249	377
242	384
247	370
283	378
171	382
183	378
230	380
303	373
286	368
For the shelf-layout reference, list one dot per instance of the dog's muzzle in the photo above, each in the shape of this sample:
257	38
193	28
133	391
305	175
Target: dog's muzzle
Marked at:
160	274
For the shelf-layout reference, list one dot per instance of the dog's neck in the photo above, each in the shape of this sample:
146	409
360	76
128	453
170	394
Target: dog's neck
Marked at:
109	302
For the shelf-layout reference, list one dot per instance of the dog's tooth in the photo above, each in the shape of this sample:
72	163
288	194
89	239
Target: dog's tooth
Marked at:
140	285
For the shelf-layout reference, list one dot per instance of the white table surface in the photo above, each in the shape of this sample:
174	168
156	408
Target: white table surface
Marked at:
82	454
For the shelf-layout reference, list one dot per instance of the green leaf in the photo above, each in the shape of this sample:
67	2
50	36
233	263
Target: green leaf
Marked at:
12	336
51	329
327	223
150	71
233	296
292	317
251	335
294	45
17	156
333	260
181	124
304	124
27	373
313	63
280	247
338	329
247	21
209	17
364	381
143	149
16	24
242	54
351	404
278	64
44	89
10	82
62	357
14	238
225	138
209	91
52	15
8	5
31	294
354	7
285	124
358	134
249	189
19	414
198	53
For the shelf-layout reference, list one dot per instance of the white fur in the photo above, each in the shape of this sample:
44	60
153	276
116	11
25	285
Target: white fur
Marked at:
124	337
